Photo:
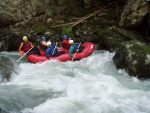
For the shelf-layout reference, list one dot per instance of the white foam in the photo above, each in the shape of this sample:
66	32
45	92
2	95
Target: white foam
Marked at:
91	85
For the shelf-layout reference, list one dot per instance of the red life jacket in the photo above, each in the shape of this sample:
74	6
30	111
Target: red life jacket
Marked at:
65	44
26	46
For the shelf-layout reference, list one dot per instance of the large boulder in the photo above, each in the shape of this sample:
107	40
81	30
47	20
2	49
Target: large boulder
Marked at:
14	11
134	57
134	13
113	38
109	39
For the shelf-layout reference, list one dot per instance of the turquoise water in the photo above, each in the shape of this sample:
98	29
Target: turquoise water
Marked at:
91	85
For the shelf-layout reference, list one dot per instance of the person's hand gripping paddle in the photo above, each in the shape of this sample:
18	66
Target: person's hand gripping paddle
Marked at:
23	55
76	51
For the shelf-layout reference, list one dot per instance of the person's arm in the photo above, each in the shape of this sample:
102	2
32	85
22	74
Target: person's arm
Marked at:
44	43
31	45
70	51
20	51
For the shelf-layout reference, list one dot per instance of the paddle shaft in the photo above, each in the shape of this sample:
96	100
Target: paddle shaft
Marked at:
23	55
76	51
54	49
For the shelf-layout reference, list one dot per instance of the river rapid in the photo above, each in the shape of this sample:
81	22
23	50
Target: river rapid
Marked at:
91	85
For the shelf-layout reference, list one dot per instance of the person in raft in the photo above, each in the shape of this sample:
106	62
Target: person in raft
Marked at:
52	50
26	45
73	47
65	43
42	45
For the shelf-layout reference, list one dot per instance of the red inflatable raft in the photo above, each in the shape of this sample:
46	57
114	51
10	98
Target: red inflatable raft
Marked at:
88	49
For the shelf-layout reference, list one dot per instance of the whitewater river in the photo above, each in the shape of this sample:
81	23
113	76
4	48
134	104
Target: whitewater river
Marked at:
91	85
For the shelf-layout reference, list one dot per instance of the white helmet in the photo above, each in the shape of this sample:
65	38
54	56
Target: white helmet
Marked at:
48	43
71	41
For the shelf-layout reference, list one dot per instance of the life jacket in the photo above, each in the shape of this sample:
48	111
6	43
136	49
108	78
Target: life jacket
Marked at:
65	44
42	46
75	47
26	46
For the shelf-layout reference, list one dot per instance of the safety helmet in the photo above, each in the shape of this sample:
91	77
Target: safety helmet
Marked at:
48	43
43	38
64	36
25	38
71	41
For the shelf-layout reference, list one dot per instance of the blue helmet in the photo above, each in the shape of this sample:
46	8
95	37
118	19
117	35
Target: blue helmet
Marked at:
43	38
64	36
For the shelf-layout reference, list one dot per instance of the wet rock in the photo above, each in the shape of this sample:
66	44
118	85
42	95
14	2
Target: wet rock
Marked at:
134	57
19	10
134	13
109	39
6	68
148	17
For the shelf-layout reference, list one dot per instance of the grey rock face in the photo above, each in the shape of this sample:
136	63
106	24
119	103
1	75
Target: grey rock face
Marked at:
19	10
134	13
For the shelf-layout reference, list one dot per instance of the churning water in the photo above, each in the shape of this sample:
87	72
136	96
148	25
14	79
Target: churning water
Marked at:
91	85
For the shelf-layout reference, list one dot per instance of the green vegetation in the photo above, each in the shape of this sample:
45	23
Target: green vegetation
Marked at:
139	47
67	30
40	28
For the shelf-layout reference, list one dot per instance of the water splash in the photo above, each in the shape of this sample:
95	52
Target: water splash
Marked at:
91	85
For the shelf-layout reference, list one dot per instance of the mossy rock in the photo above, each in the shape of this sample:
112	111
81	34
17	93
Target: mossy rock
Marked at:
67	30
40	28
110	39
138	47
134	58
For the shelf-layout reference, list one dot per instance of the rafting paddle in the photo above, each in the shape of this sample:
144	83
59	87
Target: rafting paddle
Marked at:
23	55
54	48
76	51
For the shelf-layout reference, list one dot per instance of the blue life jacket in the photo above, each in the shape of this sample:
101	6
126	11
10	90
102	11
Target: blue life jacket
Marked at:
75	47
